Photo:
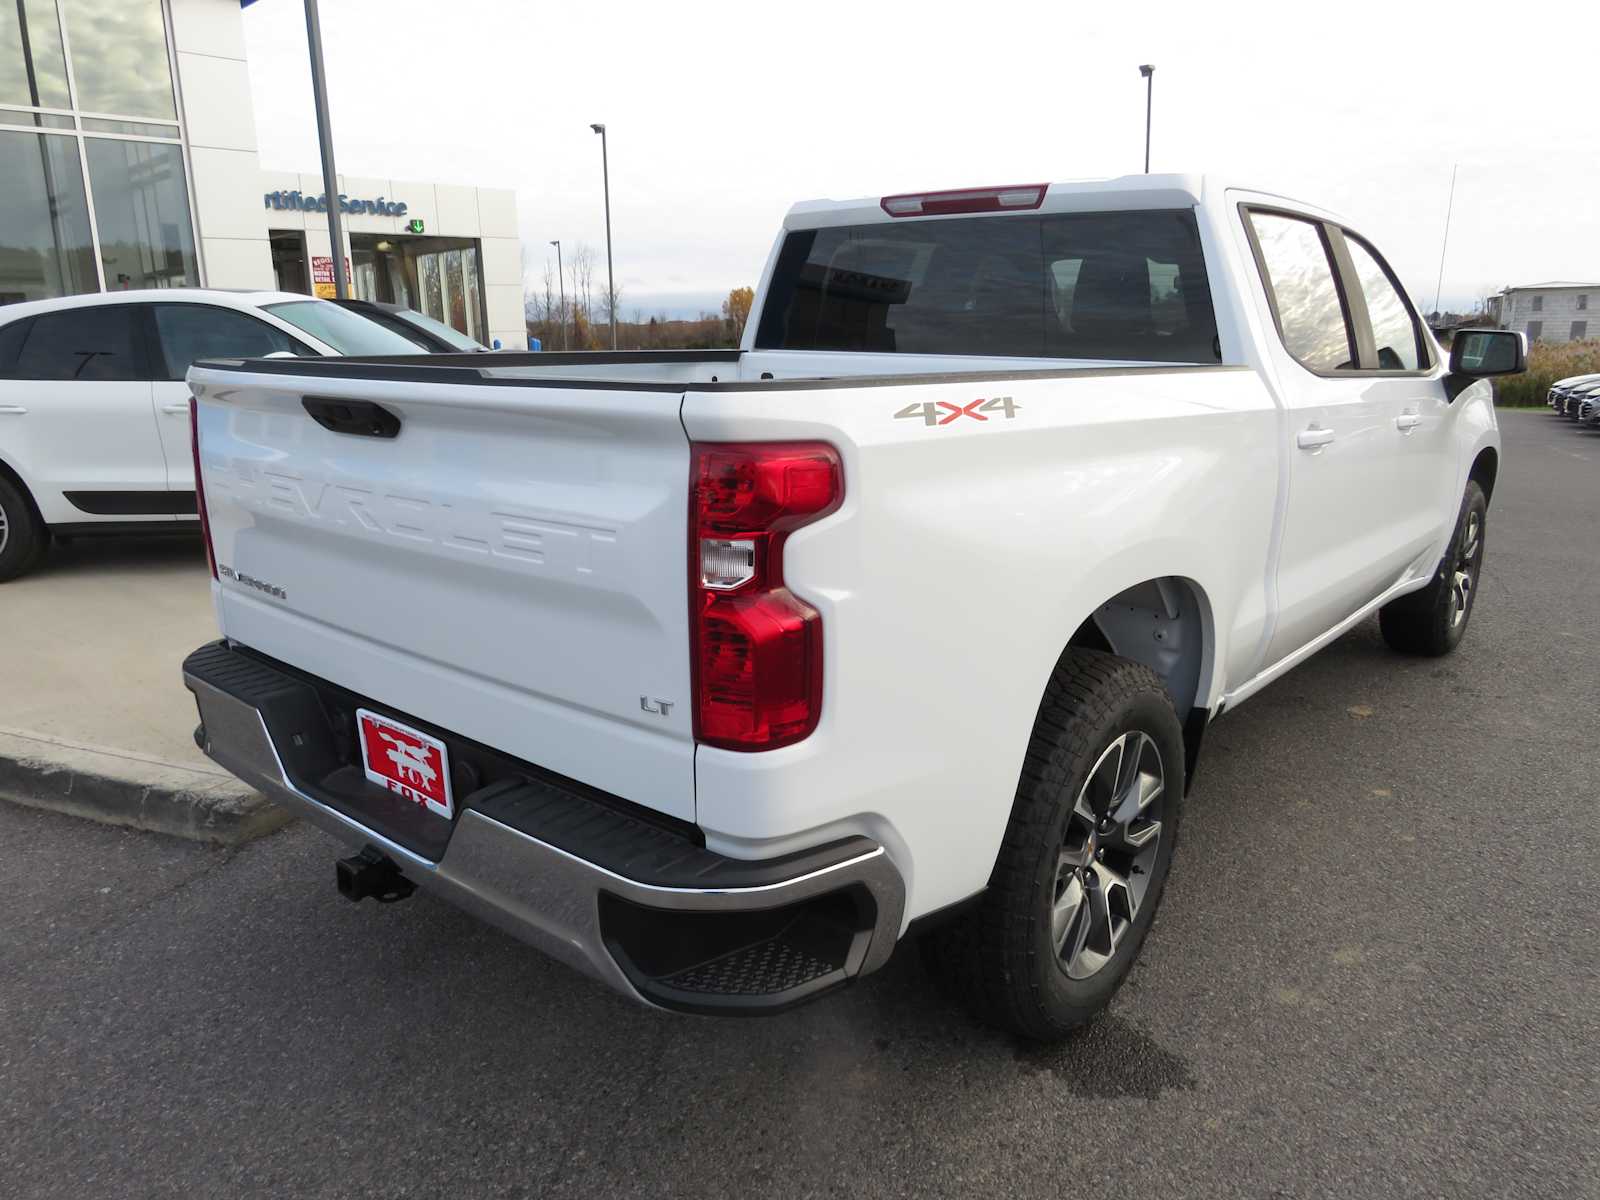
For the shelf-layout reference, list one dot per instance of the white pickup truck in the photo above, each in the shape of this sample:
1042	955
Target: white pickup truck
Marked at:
715	675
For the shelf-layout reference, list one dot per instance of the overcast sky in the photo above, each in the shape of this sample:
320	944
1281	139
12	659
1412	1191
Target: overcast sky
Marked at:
722	115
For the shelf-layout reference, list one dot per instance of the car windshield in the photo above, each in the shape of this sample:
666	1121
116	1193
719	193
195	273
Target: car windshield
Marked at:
345	331
438	328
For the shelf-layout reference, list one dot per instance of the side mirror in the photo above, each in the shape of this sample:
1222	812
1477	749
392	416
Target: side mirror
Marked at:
1479	353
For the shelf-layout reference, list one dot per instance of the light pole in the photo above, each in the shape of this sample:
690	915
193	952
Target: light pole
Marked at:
330	177
611	287
1148	70
562	321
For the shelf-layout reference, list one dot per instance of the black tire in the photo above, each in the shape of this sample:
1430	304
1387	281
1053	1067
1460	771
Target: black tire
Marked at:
1001	958
22	533
1431	622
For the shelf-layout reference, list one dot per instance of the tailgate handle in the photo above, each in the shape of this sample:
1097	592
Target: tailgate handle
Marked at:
359	418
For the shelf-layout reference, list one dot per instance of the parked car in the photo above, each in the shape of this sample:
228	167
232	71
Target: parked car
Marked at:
717	674
1557	394
94	411
1565	394
418	328
1577	395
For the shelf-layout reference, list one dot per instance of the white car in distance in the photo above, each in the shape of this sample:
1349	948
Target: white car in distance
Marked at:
94	411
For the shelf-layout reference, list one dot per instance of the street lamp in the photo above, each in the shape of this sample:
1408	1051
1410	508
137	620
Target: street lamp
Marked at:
330	175
611	287
562	320
1148	70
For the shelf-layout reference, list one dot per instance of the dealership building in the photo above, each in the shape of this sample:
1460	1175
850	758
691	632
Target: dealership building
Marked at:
128	160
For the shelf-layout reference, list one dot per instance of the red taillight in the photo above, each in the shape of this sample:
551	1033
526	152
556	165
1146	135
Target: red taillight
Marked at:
1018	198
757	646
199	484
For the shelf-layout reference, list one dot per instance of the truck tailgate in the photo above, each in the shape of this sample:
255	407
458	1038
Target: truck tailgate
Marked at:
509	565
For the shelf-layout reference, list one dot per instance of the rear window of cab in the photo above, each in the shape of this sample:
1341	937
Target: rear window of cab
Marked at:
1117	285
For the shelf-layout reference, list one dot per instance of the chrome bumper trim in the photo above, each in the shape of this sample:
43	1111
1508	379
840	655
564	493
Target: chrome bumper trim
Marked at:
537	892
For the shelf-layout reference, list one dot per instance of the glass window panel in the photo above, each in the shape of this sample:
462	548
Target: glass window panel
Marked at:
13	116
428	284
142	209
96	343
190	332
45	249
364	276
1302	282
469	262
455	285
33	70
137	128
1394	333
119	57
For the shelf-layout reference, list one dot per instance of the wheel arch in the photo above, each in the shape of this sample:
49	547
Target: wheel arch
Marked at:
1167	624
1485	469
14	477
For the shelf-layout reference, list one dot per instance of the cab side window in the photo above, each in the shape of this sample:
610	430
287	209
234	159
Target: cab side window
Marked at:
94	343
1299	276
190	332
1395	335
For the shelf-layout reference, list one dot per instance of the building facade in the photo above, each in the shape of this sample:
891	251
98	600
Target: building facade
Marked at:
1549	312
128	160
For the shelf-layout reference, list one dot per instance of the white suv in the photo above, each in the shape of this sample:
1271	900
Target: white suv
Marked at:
94	413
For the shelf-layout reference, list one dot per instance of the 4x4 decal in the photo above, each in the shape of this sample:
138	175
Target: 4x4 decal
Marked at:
942	412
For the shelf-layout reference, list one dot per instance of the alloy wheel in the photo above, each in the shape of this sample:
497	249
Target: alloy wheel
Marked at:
1103	867
1466	569
5	529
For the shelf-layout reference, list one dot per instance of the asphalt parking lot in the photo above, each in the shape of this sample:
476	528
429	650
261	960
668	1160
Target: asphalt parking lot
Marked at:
1376	973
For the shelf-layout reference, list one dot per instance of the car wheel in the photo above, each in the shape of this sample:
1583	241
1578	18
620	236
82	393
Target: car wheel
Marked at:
1084	859
1433	620
22	534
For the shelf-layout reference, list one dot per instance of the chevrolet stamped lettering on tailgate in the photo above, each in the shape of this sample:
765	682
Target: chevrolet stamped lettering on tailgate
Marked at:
554	545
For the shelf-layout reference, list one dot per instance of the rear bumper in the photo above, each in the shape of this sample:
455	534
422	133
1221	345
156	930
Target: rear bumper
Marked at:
644	909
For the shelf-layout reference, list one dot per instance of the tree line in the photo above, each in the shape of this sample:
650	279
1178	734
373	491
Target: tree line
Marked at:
572	312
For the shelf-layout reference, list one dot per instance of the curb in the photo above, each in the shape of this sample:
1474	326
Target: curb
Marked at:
116	787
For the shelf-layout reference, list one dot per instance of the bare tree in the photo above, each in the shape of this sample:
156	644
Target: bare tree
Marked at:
580	294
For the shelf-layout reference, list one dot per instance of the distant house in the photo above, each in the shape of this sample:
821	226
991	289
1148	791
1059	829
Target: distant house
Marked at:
1549	312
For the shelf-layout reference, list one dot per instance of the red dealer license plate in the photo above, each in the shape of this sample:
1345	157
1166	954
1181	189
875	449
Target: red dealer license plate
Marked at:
406	761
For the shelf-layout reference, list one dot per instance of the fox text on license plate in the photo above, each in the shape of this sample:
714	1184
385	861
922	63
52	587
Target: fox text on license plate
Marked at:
406	761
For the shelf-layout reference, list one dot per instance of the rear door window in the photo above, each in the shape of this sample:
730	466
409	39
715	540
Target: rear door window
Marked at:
1126	285
88	343
11	339
190	332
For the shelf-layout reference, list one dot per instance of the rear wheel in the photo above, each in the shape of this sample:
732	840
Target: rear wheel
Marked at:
1085	856
22	534
1432	621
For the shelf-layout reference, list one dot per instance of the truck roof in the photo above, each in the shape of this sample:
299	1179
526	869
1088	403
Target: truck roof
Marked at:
1175	190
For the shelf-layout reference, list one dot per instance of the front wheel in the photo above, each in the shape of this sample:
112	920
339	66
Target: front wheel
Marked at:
1432	621
1085	856
22	534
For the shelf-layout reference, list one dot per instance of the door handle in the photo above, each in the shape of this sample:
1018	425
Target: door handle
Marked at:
1313	438
1407	421
176	408
13	409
